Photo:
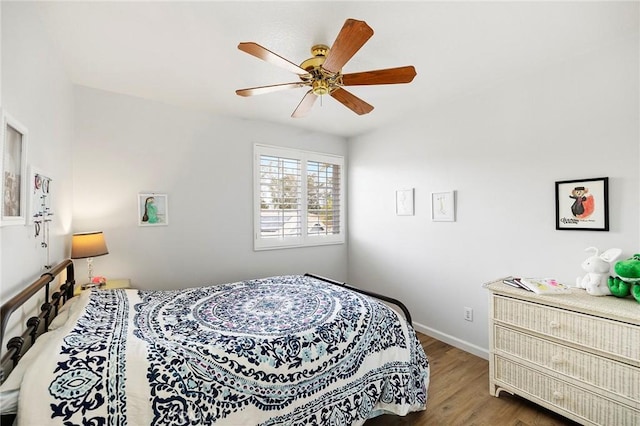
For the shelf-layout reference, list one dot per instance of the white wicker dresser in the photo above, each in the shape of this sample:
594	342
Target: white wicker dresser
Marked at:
575	354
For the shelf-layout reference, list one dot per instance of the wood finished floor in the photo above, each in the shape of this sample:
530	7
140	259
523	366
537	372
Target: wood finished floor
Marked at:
459	396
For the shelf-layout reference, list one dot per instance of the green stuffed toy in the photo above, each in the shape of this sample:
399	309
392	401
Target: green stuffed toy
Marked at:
628	279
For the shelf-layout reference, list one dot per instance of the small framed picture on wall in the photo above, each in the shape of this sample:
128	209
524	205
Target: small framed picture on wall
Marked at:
582	204
404	202
443	206
153	209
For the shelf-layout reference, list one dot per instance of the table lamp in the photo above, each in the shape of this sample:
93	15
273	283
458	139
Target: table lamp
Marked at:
87	245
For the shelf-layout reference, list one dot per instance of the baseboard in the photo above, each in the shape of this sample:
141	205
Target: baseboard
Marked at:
453	341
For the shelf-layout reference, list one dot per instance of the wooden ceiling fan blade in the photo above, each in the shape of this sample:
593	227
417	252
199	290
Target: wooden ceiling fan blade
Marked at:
351	101
261	90
266	55
305	105
386	76
353	35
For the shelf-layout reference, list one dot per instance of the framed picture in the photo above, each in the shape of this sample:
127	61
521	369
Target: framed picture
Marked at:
582	204
13	210
443	206
153	209
404	202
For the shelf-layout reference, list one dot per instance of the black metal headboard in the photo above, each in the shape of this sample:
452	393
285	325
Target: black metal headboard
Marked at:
388	299
37	324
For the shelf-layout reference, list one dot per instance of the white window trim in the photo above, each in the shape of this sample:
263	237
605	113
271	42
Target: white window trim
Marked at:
304	240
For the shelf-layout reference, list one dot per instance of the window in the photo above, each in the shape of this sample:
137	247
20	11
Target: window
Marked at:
298	198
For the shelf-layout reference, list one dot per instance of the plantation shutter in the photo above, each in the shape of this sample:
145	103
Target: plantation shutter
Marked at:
323	198
298	198
280	197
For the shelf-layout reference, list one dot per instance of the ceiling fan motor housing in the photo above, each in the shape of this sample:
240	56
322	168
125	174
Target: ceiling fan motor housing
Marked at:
321	81
319	52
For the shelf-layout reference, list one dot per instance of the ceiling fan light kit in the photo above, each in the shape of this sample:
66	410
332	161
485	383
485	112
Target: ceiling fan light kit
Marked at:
322	73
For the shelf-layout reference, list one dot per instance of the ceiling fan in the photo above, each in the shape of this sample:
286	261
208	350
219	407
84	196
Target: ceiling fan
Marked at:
323	72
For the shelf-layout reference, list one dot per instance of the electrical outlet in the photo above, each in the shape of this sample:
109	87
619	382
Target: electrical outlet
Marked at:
468	314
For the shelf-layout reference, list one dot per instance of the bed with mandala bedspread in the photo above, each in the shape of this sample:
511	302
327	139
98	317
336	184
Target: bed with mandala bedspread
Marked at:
288	350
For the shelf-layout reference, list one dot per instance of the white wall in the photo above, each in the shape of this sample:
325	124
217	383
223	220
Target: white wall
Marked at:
37	92
501	149
125	145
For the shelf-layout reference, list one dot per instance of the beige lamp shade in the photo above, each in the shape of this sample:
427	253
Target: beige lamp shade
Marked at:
88	244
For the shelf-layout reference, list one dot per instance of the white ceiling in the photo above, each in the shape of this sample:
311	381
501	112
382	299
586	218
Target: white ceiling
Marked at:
185	53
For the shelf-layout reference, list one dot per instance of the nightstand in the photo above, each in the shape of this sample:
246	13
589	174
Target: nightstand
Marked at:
119	283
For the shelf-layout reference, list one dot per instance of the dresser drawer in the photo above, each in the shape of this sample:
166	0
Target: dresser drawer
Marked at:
562	396
615	338
614	378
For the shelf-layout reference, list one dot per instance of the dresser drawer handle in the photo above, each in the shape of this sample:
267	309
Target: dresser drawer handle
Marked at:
557	395
554	324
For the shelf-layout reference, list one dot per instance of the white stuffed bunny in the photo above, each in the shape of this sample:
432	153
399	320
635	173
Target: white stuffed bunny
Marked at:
597	267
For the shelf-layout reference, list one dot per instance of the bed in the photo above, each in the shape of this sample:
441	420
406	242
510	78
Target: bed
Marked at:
294	350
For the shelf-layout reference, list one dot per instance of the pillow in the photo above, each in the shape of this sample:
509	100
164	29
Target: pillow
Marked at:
9	401
63	314
10	389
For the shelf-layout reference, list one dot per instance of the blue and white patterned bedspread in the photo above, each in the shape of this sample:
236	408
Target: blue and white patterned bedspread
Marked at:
287	350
